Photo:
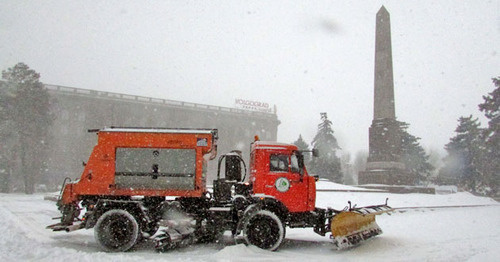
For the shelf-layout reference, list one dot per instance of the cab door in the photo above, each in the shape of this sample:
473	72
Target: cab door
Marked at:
285	181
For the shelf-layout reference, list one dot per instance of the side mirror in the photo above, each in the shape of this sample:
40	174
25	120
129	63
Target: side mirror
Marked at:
315	152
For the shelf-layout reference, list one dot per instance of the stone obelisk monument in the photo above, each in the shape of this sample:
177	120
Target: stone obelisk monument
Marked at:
384	164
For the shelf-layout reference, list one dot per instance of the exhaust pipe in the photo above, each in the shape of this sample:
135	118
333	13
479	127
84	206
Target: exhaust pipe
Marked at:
73	227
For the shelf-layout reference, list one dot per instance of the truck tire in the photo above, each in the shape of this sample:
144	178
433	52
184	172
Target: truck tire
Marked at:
116	230
265	230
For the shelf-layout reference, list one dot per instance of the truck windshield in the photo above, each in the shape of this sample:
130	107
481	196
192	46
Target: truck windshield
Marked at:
278	163
284	163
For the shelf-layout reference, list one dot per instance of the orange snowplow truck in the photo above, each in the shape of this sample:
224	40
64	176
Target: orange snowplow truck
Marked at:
150	183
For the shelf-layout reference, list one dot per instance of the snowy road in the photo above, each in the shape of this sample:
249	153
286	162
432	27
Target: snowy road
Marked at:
448	234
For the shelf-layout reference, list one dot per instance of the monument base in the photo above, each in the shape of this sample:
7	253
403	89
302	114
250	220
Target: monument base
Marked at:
386	177
399	189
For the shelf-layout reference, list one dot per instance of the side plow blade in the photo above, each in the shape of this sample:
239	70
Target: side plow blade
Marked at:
353	225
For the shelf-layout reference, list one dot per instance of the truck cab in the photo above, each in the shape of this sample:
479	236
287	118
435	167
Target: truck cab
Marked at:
278	170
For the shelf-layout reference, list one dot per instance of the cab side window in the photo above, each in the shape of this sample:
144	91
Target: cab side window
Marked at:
278	163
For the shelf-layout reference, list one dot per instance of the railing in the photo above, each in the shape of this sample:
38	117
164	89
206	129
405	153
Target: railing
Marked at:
95	93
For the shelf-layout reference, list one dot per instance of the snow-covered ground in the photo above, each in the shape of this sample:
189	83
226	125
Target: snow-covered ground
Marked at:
439	234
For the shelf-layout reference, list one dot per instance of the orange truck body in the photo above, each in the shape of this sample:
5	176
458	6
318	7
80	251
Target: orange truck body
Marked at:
100	174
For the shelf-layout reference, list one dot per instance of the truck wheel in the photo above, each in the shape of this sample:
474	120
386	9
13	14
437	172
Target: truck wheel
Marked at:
116	230
264	230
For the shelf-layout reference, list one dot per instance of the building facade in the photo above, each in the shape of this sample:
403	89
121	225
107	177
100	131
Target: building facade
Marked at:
78	110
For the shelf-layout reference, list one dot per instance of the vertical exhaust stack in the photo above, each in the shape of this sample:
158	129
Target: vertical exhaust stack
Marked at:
213	150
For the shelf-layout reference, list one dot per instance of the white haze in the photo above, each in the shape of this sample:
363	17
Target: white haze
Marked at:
305	57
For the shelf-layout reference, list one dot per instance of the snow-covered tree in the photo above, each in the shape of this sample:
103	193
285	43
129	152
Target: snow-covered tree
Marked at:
414	156
465	155
302	145
473	153
491	164
327	165
31	120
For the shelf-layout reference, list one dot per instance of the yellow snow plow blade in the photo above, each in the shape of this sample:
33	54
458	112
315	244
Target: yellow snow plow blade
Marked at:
352	226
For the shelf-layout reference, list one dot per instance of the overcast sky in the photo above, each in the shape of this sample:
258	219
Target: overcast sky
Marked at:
305	57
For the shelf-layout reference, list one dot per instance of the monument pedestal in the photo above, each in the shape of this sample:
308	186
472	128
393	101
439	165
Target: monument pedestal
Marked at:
385	173
384	166
385	177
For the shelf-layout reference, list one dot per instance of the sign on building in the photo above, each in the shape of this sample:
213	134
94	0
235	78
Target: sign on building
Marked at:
252	105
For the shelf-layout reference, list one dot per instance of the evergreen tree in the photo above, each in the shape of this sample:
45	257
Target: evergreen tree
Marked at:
465	155
327	165
491	164
32	119
414	156
302	145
